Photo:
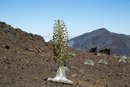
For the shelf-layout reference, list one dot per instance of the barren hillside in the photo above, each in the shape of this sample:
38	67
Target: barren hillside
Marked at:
26	60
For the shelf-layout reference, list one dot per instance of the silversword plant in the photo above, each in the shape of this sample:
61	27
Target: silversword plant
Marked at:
60	48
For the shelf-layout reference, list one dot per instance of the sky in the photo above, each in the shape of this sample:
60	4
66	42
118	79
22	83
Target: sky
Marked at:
80	16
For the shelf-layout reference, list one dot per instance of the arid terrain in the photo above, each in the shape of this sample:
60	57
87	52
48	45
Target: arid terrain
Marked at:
26	60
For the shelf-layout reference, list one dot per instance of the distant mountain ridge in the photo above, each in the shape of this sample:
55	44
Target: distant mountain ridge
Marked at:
102	38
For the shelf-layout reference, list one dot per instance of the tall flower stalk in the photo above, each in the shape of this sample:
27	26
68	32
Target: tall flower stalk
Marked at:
60	48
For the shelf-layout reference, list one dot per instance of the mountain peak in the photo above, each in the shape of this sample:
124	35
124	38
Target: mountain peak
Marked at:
103	30
102	38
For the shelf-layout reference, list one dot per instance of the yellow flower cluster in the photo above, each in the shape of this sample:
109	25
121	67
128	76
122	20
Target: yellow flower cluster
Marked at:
60	42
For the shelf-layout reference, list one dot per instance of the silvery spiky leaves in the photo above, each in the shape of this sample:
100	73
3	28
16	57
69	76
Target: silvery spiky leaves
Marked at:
123	59
103	61
89	62
60	42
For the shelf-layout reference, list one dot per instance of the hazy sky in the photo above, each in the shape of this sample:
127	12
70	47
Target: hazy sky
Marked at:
80	16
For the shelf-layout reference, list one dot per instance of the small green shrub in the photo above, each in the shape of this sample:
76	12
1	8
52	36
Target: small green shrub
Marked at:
71	55
99	54
102	61
89	62
123	59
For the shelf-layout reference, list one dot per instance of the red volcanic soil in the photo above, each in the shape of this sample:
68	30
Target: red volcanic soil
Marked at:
26	60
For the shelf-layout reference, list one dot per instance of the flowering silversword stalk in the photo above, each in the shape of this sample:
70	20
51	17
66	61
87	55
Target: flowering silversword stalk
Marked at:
60	47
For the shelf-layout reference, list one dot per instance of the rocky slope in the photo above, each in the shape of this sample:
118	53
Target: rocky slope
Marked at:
26	60
102	38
